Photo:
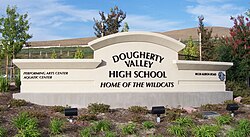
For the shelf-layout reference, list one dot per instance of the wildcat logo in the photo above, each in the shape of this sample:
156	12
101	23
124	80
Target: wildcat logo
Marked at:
221	76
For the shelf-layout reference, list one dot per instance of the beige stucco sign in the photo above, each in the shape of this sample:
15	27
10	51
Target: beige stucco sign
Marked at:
130	68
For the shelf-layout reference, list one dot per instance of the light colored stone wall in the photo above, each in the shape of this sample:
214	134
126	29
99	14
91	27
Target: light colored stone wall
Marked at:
153	71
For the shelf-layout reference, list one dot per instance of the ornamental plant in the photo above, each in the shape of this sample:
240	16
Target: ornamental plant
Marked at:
3	132
177	130
223	120
79	54
184	121
4	85
236	49
148	124
56	126
138	109
206	131
96	108
26	126
241	130
86	132
129	129
102	125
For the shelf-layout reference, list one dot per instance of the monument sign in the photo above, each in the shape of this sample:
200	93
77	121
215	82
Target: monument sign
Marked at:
129	68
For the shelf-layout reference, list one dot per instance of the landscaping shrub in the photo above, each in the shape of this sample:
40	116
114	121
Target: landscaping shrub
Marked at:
241	130
56	126
37	114
138	109
184	121
178	131
206	131
86	132
17	80
137	118
238	88
148	124
229	102
3	132
223	120
3	108
210	107
102	125
17	102
246	100
87	117
96	108
196	115
4	85
58	109
129	129
110	134
26	126
173	114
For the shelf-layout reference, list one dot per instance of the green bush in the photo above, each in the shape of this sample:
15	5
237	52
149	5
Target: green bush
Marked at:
210	107
96	108
3	132
178	131
53	55
79	54
102	125
110	134
87	117
26	126
246	100
196	115
235	133
17	102
17	80
129	129
137	118
223	120
241	130
138	109
148	124
37	114
56	126
206	131
184	121
4	85
173	114
86	132
238	88
229	102
58	109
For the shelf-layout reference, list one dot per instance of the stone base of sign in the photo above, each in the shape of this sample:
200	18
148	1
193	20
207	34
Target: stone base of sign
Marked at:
124	100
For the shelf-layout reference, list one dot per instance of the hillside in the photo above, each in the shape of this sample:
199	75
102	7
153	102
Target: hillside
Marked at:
183	34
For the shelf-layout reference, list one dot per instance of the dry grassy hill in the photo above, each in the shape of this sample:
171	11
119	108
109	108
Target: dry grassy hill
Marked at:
183	34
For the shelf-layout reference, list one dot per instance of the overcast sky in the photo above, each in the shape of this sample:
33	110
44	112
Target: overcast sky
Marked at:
63	19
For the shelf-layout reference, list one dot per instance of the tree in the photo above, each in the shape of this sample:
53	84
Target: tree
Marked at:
237	48
79	54
191	50
1	57
125	27
248	13
109	24
14	28
53	55
207	46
